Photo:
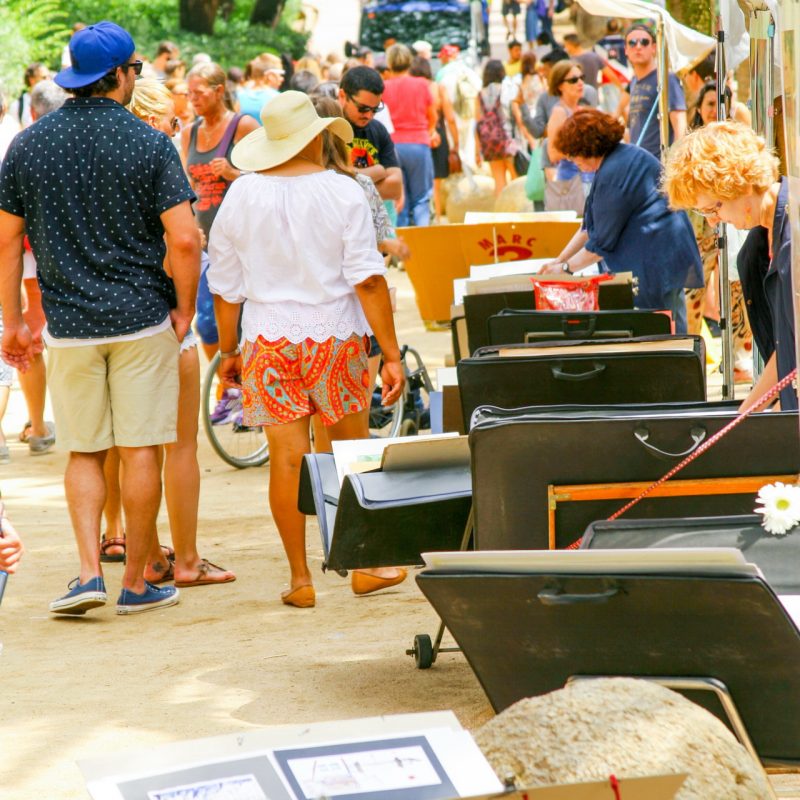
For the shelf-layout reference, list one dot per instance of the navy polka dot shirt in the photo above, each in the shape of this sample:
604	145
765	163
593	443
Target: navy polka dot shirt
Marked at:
91	181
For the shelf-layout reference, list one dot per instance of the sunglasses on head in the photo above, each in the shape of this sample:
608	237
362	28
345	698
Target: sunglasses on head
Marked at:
575	79
635	42
365	109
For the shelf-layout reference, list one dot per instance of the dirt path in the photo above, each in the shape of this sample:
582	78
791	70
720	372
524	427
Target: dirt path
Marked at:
226	659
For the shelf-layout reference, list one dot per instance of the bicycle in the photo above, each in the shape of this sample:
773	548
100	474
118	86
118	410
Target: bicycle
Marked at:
242	446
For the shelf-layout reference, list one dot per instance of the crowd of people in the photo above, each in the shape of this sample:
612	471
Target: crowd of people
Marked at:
156	218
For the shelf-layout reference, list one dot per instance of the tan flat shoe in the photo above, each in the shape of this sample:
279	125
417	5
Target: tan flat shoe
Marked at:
365	583
301	597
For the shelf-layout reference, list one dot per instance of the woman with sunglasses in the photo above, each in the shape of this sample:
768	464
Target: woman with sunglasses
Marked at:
704	302
727	172
627	223
565	184
152	103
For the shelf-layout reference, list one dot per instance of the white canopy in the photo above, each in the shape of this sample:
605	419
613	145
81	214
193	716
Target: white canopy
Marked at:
684	45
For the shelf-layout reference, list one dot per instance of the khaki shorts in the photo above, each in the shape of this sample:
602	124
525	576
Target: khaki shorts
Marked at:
121	393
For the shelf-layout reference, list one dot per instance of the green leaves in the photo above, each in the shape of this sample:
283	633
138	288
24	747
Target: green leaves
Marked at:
32	30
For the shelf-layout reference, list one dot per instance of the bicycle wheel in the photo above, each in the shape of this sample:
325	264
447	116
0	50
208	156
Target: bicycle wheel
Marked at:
233	442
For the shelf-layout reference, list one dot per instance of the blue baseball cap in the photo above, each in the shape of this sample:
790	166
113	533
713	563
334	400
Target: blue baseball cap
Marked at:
94	52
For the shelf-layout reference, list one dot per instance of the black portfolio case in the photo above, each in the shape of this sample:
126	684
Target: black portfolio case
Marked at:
519	326
517	454
384	519
571	375
776	556
479	307
528	634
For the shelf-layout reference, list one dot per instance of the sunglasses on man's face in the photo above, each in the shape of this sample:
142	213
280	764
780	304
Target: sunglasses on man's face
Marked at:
136	66
637	42
365	109
574	79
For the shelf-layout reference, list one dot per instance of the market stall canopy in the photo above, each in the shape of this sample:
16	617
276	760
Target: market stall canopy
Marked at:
685	46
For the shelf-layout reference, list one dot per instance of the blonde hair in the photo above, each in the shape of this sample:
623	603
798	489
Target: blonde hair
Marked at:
310	64
150	99
208	71
335	153
726	160
398	58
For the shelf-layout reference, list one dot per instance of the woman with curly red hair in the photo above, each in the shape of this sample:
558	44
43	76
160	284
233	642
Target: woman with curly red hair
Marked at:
627	223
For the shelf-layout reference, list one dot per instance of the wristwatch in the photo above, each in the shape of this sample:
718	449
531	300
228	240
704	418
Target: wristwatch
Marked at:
565	267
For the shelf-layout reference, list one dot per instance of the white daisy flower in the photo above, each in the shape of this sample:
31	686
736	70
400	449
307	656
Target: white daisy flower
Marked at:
780	507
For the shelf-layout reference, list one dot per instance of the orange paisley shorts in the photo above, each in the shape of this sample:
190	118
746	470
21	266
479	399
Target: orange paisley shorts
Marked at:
283	381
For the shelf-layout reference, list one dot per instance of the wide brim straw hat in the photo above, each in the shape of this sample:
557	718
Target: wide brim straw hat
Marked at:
289	122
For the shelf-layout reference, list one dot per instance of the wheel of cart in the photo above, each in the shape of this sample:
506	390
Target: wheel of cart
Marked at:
235	443
425	651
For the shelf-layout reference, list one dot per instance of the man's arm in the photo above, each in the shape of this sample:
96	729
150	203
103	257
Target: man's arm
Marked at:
376	173
18	346
678	121
391	187
183	252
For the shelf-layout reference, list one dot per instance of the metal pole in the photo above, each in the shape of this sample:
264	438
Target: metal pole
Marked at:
663	91
725	325
761	27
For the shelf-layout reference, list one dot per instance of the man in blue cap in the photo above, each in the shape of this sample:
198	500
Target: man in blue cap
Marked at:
103	197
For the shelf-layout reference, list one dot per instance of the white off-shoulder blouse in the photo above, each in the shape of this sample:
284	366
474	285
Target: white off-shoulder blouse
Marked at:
293	248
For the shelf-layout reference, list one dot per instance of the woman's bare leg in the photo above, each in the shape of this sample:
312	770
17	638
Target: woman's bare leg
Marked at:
288	443
498	169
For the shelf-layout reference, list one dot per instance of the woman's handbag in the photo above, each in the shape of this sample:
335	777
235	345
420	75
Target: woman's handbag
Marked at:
454	163
534	182
565	195
522	162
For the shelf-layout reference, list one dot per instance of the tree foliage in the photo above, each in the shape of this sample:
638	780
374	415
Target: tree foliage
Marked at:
37	30
33	30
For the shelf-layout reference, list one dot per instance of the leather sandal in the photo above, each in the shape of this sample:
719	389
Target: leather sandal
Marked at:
112	558
301	597
365	583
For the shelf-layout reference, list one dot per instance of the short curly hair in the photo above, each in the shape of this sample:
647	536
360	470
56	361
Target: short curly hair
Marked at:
589	133
726	160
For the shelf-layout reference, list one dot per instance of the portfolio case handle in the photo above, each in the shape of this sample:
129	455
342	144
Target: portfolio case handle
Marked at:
572	328
697	433
560	375
555	597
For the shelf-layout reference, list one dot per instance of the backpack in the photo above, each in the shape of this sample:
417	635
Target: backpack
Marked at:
495	142
464	104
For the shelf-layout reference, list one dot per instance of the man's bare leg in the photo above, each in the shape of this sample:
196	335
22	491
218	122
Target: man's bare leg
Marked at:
141	498
33	383
85	490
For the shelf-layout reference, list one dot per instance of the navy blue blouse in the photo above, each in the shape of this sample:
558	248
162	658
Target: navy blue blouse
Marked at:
631	226
767	290
91	181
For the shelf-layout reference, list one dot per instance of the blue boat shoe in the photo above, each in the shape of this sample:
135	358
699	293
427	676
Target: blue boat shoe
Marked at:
81	597
152	597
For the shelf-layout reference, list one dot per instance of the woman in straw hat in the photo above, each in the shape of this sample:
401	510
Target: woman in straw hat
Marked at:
296	242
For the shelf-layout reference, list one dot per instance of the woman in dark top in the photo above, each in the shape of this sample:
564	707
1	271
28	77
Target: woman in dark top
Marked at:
627	222
728	174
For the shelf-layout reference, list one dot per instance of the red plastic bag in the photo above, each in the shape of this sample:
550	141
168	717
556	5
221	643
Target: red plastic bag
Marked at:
561	295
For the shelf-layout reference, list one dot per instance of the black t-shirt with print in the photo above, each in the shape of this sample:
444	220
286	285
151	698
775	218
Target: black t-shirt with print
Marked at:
372	145
91	181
